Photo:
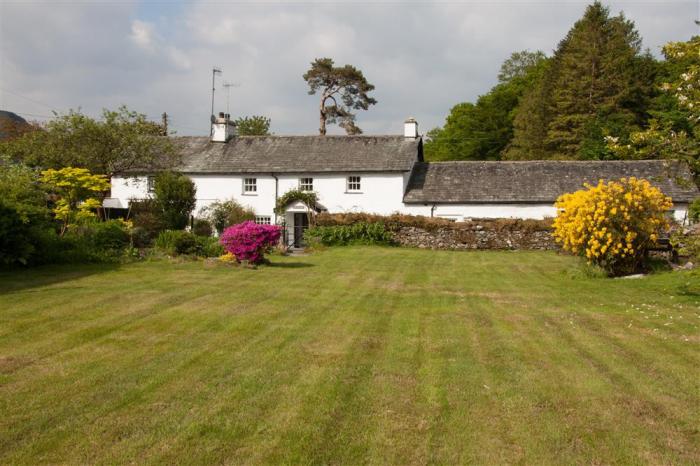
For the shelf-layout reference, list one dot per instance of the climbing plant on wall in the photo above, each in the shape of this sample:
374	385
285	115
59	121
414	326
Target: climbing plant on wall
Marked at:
306	197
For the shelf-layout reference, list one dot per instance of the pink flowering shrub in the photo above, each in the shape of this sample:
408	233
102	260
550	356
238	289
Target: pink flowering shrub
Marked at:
248	241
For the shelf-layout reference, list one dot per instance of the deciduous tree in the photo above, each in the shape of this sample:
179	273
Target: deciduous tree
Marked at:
255	125
119	141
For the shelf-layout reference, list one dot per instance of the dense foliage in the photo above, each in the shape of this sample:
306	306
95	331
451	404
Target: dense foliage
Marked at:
481	131
78	194
255	125
180	242
307	198
175	198
612	224
226	213
119	141
673	132
598	97
356	233
249	241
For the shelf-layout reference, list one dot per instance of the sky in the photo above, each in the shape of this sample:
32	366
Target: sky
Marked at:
157	56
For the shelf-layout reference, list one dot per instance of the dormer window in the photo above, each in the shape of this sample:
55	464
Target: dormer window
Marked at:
306	184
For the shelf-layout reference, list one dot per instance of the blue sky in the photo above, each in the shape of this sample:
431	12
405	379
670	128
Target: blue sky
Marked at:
423	56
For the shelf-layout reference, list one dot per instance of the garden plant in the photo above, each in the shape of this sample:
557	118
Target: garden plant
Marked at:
612	224
249	241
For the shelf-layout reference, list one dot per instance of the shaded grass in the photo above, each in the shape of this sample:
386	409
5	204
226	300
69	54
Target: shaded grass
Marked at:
347	356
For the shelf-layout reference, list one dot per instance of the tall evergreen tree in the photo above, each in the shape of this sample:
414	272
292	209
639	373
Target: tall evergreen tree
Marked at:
482	130
594	87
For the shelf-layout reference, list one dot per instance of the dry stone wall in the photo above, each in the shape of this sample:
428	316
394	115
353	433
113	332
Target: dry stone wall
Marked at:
474	236
437	233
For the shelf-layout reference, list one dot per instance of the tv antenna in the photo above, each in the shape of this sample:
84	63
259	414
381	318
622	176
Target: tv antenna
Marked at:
214	71
228	86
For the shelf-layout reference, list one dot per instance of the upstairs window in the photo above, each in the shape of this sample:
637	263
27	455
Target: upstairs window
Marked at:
306	184
263	219
250	185
151	184
353	184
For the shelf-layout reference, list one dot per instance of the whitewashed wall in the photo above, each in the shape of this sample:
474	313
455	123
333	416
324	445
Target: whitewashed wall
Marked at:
380	194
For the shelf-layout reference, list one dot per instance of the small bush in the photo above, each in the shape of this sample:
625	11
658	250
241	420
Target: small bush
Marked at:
110	235
209	246
225	213
358	233
249	241
178	242
202	227
694	211
141	238
15	243
144	215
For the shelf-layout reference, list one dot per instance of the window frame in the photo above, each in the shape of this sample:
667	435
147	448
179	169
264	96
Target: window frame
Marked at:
349	182
246	185
263	219
150	184
309	183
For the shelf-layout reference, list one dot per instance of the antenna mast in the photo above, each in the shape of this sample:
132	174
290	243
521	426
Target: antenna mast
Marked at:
228	85
215	70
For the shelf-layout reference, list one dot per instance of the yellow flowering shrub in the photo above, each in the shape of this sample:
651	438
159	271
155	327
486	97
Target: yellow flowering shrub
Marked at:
612	224
78	193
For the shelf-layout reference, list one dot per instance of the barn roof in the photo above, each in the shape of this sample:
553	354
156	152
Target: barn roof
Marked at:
297	154
537	181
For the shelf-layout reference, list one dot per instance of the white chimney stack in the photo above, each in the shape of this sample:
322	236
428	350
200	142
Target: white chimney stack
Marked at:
222	128
410	128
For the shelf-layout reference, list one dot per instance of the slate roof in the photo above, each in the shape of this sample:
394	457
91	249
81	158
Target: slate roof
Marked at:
536	181
298	154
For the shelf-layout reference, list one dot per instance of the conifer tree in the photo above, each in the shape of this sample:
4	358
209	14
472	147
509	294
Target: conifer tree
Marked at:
592	88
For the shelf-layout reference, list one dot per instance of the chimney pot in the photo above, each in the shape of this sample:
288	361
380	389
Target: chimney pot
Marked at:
410	128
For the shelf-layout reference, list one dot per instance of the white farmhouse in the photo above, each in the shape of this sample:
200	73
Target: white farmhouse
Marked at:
382	175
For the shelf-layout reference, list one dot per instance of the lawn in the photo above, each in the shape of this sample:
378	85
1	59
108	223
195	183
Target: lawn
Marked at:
350	356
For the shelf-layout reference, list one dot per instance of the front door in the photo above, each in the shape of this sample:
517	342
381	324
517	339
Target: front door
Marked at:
301	223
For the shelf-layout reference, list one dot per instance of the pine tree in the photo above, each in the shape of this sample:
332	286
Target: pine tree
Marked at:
592	88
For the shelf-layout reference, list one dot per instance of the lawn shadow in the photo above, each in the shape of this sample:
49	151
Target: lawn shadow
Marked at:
22	279
290	265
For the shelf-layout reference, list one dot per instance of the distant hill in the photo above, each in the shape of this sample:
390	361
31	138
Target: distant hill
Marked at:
11	125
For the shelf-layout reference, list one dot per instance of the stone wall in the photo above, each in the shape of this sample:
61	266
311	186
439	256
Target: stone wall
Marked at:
473	236
439	233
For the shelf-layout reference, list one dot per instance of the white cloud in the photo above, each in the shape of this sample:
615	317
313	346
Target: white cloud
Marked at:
142	35
423	58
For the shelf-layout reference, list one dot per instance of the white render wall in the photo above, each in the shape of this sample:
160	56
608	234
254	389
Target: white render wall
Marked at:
380	194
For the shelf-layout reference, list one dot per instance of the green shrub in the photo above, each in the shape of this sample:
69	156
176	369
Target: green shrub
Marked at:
165	241
209	246
357	233
15	242
694	211
202	227
226	213
141	238
179	242
144	215
186	244
175	198
110	235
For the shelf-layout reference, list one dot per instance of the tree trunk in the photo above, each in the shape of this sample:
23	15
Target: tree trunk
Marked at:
322	116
